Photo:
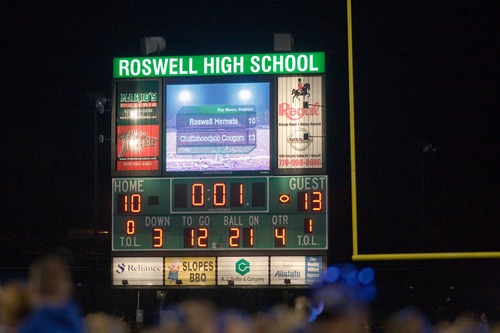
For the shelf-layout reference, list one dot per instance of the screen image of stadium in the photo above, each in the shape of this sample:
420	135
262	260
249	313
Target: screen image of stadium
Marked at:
217	128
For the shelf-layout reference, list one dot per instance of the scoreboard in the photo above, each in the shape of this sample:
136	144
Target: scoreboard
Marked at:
218	166
186	214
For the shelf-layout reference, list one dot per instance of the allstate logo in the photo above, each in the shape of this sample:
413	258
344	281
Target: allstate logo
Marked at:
300	139
242	267
121	268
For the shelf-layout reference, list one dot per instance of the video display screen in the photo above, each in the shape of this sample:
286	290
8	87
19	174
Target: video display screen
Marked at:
218	127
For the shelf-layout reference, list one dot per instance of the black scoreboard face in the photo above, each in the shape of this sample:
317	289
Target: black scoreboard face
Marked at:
219	178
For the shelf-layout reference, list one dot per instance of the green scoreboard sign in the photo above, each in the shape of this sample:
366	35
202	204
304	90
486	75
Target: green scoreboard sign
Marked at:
261	213
219	170
240	64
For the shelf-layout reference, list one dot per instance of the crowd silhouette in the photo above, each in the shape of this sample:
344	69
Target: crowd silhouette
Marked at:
45	304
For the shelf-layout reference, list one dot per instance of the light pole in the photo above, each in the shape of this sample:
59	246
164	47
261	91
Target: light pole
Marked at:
427	148
101	104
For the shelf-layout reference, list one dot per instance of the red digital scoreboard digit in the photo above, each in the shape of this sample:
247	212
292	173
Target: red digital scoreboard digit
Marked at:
252	213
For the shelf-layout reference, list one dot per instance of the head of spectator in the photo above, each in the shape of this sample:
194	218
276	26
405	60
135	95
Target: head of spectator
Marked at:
408	320
190	316
15	305
50	281
279	319
336	308
302	307
233	321
100	322
51	288
466	322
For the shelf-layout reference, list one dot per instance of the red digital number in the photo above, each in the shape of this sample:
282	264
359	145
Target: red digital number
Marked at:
130	227
197	195
219	195
308	226
280	237
157	238
234	237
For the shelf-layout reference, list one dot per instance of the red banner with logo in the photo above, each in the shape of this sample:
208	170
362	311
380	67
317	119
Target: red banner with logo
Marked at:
138	147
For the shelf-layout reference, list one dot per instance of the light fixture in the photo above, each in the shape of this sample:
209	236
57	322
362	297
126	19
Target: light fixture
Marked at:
100	104
152	45
283	42
178	282
230	282
288	282
125	282
101	138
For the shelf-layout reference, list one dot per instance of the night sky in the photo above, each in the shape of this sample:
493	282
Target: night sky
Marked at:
426	74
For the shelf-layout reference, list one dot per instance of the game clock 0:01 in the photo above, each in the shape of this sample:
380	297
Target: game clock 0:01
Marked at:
207	195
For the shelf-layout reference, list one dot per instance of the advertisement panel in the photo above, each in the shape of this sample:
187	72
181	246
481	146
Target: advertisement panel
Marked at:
137	147
138	118
298	270
243	271
192	271
301	129
137	271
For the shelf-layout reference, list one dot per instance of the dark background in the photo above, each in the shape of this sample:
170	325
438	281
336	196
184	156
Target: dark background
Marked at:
425	73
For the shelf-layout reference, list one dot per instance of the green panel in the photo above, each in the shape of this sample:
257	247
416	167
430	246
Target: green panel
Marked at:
235	64
274	212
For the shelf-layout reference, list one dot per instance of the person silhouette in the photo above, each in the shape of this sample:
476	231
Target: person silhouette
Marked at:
51	287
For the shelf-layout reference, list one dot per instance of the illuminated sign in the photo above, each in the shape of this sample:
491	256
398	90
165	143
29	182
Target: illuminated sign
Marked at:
250	213
192	271
218	127
134	271
300	123
137	134
300	270
209	271
243	271
238	64
218	165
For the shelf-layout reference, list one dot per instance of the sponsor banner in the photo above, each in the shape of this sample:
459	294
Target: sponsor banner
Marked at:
300	122
235	64
300	270
314	269
138	102
243	271
138	147
192	271
137	271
